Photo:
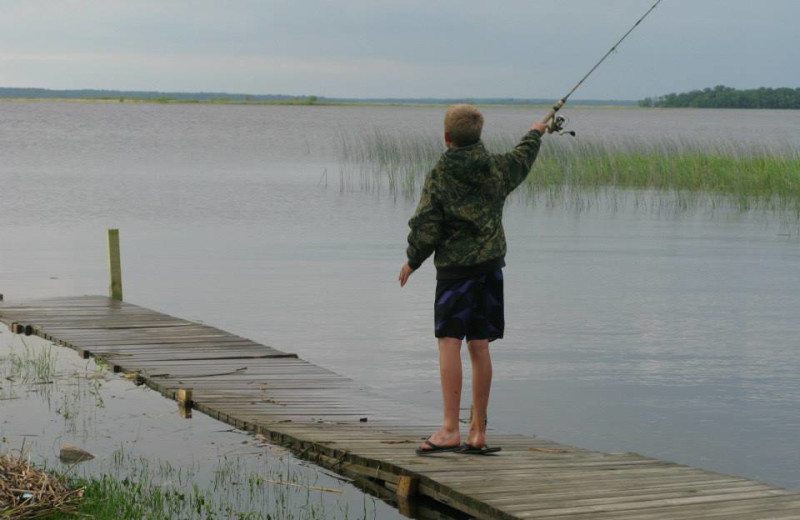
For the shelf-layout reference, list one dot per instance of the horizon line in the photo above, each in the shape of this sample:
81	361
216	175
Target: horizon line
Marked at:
207	94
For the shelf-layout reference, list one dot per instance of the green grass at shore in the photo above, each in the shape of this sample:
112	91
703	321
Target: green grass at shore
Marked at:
742	177
137	488
745	178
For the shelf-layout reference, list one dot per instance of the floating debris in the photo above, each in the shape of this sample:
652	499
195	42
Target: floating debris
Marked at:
26	492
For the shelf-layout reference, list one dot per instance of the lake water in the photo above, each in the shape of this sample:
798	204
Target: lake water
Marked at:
672	334
49	397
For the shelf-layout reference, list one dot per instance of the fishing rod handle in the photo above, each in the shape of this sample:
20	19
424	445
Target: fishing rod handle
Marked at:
550	114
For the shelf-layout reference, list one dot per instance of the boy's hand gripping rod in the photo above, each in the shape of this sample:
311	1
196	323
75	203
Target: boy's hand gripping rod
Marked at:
556	124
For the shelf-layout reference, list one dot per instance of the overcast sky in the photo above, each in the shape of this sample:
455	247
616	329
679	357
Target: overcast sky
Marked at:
408	48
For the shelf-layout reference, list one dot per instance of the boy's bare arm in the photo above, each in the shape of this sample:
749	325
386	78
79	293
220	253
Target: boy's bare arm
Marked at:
539	127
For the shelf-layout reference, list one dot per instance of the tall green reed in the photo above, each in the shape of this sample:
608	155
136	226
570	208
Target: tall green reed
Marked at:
578	172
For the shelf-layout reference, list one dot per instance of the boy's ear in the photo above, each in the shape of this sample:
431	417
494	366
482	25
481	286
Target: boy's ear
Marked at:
448	141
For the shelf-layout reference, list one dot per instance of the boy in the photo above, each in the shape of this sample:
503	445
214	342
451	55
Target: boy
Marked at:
459	217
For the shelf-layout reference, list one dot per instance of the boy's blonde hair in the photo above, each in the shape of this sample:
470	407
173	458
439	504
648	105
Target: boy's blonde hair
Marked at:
464	124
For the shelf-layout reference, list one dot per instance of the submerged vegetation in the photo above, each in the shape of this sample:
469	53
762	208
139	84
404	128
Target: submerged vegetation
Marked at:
135	488
29	365
570	170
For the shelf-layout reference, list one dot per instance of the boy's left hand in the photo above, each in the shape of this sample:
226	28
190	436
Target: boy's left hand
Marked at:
405	272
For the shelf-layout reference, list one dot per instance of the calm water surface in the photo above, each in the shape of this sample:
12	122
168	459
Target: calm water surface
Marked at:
134	433
672	334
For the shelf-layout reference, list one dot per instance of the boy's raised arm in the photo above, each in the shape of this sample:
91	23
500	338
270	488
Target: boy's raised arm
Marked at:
519	161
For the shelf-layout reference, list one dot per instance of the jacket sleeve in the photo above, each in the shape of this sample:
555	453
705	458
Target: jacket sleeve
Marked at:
426	224
516	164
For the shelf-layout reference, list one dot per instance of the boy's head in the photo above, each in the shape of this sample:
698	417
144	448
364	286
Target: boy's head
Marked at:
462	125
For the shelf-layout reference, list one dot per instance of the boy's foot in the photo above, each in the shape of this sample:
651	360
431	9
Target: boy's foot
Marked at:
475	450
440	441
476	438
427	447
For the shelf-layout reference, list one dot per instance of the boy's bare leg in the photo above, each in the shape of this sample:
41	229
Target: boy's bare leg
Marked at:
481	385
450	372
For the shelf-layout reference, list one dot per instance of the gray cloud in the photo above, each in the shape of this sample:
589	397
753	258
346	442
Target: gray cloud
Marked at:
414	48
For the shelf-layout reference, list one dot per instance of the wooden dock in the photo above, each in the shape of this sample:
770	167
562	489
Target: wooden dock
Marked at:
342	426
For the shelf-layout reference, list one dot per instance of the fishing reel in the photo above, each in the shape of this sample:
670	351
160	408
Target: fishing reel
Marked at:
556	126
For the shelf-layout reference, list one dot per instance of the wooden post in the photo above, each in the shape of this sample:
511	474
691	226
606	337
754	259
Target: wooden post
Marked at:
407	506
115	269
406	486
184	397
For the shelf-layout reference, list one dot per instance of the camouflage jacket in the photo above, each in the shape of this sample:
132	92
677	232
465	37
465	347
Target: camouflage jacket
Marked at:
460	212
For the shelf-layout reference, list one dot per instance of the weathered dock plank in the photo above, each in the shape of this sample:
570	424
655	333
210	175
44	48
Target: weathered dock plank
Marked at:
343	426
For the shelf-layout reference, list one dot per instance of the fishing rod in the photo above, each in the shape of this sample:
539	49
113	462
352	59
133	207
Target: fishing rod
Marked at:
556	124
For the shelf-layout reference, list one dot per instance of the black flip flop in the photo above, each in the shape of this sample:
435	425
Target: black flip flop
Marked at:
435	448
469	449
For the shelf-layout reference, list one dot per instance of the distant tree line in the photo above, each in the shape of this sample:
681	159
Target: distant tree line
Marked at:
727	97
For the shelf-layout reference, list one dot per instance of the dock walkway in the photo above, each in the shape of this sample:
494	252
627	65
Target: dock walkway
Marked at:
342	426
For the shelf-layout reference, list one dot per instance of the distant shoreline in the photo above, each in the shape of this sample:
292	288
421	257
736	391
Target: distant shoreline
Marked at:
325	103
301	102
135	96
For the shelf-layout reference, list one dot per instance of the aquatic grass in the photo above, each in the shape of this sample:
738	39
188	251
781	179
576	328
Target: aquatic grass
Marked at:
28	365
31	366
136	487
397	161
723	174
